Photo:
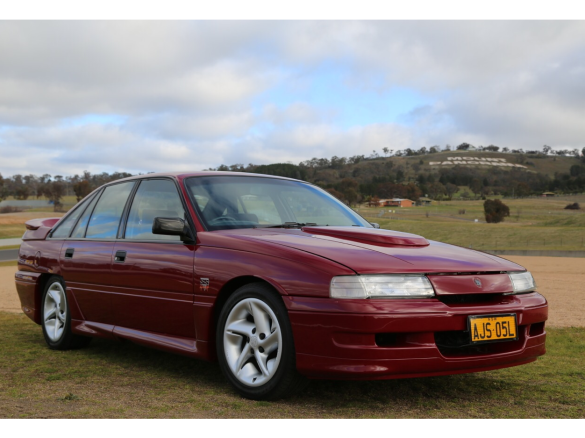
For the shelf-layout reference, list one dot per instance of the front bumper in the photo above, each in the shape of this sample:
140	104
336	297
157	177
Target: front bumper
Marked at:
383	339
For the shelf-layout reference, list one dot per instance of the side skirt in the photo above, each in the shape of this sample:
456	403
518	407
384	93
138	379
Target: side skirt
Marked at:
173	344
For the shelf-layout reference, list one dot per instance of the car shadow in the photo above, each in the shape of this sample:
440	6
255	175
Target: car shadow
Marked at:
427	393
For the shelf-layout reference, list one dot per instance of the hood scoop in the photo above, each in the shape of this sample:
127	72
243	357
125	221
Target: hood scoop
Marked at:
372	236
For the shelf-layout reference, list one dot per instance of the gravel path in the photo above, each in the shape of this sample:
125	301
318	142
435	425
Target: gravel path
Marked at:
560	279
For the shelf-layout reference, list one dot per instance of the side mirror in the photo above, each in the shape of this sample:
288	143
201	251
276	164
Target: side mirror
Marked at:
173	226
375	225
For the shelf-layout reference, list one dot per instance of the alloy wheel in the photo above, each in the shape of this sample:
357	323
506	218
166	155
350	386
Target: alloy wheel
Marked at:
252	342
55	311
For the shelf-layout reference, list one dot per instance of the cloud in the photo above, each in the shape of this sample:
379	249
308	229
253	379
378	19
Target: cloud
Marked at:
52	70
143	96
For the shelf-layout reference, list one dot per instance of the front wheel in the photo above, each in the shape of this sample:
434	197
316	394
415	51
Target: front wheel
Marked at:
255	344
56	318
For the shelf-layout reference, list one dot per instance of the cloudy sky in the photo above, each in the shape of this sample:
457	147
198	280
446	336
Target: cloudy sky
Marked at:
155	96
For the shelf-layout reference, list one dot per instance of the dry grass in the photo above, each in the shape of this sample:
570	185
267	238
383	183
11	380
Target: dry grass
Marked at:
535	223
12	224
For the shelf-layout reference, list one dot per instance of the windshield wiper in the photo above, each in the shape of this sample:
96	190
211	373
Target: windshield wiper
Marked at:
289	225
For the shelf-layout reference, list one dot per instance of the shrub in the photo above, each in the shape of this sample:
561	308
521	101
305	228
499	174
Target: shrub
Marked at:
574	206
495	211
9	209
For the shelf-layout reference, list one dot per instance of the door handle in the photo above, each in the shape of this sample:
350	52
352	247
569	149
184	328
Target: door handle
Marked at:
120	256
69	253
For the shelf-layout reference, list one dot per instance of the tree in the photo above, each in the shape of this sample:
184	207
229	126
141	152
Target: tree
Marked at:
522	190
451	190
54	191
546	149
3	189
337	194
476	186
577	170
413	192
82	189
21	192
495	211
399	175
436	189
352	196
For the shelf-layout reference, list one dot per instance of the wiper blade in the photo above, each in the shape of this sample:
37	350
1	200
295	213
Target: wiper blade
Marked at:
289	225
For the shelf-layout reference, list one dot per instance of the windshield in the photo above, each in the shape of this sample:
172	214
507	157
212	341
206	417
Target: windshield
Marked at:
227	202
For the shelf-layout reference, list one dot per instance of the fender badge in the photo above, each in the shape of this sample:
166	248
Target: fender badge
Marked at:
477	282
204	284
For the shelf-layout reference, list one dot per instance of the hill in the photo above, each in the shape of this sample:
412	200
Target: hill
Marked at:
438	175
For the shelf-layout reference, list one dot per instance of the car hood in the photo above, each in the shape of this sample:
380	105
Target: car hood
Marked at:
368	251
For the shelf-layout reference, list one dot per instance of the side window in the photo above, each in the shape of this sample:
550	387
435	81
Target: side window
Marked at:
105	220
154	198
79	231
64	228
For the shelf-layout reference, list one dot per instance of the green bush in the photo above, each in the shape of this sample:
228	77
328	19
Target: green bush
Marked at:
495	211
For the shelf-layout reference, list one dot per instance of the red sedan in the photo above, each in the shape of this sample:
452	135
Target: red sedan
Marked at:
276	280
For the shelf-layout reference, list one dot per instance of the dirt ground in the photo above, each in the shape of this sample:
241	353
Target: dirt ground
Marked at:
559	279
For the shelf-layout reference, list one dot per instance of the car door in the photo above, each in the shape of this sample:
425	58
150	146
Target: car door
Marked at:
86	256
153	274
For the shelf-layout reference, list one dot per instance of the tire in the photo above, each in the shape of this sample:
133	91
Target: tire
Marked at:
56	318
255	346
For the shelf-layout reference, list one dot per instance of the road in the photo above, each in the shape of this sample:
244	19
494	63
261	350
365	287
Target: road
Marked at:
8	255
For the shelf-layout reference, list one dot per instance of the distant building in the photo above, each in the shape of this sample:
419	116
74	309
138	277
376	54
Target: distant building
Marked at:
548	194
424	201
396	202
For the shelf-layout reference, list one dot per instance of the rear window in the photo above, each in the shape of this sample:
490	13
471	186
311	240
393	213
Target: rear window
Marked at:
64	228
106	216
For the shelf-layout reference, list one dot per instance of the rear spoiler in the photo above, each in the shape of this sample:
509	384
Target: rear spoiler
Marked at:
39	229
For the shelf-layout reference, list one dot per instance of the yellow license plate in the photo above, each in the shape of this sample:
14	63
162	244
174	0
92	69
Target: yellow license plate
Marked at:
485	328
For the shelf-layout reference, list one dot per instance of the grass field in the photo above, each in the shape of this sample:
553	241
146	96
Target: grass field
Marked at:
534	223
122	380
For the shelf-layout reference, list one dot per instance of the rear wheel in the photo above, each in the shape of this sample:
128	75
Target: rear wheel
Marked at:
56	318
255	344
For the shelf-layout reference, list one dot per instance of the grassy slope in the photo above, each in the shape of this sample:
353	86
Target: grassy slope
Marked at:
546	165
122	380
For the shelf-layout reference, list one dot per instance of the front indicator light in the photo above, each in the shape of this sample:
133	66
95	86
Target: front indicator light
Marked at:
381	286
522	282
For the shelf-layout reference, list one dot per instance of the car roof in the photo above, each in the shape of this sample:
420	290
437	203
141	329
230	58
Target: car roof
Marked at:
183	175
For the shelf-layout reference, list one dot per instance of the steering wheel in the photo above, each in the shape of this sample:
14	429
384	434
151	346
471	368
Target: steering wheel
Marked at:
220	219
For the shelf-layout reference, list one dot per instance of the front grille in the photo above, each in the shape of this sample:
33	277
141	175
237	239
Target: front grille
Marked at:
469	298
458	343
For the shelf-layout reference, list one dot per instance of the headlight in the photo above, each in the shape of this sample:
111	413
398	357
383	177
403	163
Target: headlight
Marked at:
522	282
381	286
